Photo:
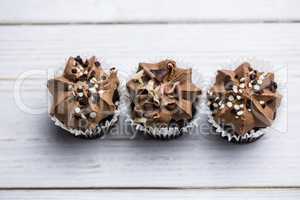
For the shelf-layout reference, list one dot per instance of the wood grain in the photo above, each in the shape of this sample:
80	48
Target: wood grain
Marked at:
152	194
207	46
154	11
36	154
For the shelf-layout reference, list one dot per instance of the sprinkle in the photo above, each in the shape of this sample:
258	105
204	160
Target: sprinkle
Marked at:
259	82
236	117
70	87
215	105
220	103
231	98
256	87
77	110
92	115
242	80
236	107
80	87
96	86
222	106
249	110
229	104
238	97
94	80
241	105
241	91
261	102
85	72
80	94
235	89
83	116
250	85
209	103
92	90
240	113
242	85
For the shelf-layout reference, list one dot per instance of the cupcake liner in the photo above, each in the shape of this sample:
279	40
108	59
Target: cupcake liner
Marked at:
102	128
252	135
156	131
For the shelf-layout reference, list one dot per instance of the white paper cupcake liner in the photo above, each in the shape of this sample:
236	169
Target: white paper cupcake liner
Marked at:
101	129
159	132
253	135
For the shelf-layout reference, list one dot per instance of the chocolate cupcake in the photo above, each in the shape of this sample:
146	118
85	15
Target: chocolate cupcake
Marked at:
243	102
163	99
85	98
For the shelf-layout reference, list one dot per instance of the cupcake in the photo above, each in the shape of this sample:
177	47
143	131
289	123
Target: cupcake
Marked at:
85	98
243	103
163	99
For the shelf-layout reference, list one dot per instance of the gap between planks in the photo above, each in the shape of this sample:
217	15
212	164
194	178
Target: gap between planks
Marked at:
153	188
210	21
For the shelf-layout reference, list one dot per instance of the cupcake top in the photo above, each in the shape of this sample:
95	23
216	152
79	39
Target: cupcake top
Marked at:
244	99
84	95
162	94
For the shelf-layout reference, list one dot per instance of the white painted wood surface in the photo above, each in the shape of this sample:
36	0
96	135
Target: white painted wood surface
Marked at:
39	161
36	154
267	194
135	11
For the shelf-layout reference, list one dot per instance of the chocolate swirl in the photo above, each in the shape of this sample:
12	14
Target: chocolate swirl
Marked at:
244	99
84	95
162	93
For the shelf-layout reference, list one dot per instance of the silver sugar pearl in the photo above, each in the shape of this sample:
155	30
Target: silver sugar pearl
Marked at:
230	98
240	113
229	104
77	110
256	87
236	107
259	82
235	89
93	115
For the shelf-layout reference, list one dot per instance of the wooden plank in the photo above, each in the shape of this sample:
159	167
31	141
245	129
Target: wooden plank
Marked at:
25	48
34	153
134	11
269	194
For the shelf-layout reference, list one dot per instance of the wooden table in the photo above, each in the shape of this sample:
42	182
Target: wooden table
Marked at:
39	161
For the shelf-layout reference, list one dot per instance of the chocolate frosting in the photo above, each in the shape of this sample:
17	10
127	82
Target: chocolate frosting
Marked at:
162	93
84	95
244	99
